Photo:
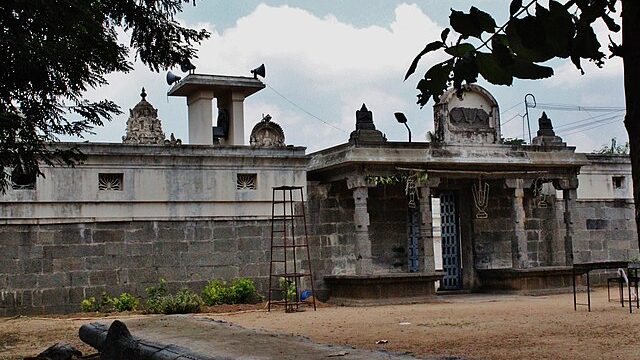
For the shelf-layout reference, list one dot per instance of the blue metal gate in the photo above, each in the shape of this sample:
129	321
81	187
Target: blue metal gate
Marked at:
450	243
414	239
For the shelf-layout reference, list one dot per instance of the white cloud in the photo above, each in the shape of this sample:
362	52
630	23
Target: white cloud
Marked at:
327	67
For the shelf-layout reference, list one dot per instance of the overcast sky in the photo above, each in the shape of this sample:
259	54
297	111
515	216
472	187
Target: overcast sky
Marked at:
325	58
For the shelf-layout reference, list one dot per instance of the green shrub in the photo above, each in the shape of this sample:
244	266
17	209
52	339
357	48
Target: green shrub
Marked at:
155	297
106	303
217	292
289	288
241	291
125	302
244	292
184	301
89	305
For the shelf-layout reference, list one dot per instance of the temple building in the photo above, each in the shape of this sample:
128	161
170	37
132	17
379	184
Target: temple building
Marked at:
387	221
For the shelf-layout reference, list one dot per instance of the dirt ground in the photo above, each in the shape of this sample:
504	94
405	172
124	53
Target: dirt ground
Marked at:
467	326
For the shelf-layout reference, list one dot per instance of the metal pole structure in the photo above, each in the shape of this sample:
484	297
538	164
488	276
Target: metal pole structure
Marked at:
526	109
409	130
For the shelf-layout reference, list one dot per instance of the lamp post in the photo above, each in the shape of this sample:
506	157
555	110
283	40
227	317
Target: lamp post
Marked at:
403	120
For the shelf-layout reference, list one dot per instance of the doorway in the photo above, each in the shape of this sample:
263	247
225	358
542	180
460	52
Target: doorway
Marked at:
450	235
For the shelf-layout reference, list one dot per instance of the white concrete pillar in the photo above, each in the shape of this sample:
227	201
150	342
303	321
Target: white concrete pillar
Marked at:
426	225
200	117
236	120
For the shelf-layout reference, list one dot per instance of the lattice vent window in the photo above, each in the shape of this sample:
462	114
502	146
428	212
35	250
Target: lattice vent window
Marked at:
21	181
110	182
246	181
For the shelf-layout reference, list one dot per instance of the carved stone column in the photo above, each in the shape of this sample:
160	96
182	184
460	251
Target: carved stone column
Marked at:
569	195
426	225
519	254
364	262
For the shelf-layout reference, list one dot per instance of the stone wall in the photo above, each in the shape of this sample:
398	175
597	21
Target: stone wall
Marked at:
330	210
388	211
493	235
51	268
605	230
545	245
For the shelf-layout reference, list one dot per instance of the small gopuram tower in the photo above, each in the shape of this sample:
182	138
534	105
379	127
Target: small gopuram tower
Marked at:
470	117
365	129
143	125
229	92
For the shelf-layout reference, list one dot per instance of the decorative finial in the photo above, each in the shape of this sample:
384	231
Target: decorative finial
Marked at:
143	94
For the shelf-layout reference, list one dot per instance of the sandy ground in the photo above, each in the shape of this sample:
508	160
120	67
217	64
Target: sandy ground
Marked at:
472	327
467	326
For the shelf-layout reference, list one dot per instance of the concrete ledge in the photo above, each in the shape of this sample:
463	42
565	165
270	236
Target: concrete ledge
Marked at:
382	289
532	281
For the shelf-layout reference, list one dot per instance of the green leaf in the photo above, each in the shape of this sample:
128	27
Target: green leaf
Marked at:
472	24
515	6
491	70
444	34
500	50
483	20
430	47
465	69
559	29
460	50
435	82
526	39
611	24
525	69
586	45
575	59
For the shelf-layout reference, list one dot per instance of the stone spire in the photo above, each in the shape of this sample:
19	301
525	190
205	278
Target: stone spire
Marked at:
546	135
143	125
365	129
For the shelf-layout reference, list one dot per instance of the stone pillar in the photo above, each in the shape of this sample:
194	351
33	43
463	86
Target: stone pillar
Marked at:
236	120
519	254
200	117
426	225
569	195
364	262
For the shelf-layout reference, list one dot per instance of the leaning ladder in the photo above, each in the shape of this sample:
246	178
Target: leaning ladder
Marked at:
285	240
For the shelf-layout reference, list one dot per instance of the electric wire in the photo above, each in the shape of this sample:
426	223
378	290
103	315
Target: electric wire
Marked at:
573	107
514	105
304	110
587	121
593	127
510	119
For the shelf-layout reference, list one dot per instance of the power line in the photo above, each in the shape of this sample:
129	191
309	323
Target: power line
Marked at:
572	107
304	110
511	118
590	118
593	127
514	105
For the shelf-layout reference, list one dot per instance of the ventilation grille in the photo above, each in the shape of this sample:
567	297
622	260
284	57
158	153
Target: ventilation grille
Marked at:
110	182
246	182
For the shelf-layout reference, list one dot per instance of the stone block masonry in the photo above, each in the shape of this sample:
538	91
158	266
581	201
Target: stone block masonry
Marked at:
47	269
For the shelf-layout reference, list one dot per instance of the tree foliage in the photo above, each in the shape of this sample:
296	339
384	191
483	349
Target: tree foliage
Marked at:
52	51
533	35
613	148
